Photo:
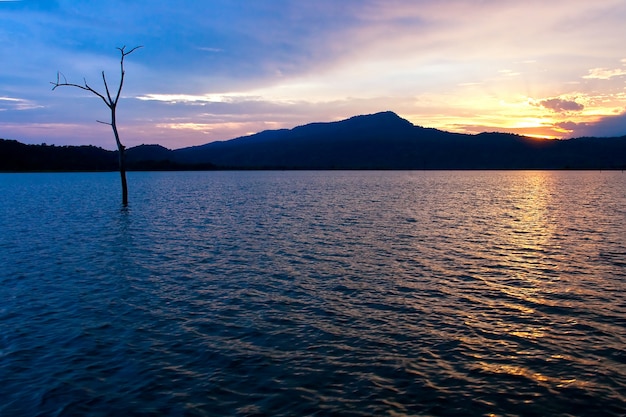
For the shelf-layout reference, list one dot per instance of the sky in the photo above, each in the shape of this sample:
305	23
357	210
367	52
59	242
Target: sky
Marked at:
219	69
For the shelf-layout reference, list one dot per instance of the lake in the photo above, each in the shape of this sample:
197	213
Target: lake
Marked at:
352	293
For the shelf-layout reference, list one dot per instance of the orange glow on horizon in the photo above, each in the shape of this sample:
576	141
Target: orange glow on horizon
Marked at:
524	116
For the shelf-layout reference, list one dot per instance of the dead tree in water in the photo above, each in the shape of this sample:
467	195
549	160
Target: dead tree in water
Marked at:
111	103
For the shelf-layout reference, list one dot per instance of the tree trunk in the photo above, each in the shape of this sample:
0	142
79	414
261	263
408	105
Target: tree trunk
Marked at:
122	152
122	157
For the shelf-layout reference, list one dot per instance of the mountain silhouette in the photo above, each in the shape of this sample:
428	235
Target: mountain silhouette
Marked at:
19	157
377	141
387	141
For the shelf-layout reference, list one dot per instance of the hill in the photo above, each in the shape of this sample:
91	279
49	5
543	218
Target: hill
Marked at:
16	156
386	141
378	141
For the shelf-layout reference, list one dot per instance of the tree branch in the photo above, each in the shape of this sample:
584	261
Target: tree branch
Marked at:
85	87
108	100
122	72
106	87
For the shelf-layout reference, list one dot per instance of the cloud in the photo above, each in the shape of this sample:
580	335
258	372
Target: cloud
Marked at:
11	103
571	126
10	99
607	126
559	105
604	73
200	99
209	49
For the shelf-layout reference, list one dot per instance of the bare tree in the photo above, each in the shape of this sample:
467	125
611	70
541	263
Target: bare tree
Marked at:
111	103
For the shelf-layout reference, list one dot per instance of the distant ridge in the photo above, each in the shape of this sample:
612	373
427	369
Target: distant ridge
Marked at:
18	157
376	141
387	141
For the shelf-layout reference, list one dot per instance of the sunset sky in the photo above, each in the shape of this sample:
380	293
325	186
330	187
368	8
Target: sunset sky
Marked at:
219	69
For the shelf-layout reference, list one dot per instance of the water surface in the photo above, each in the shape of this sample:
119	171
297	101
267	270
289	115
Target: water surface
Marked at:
313	293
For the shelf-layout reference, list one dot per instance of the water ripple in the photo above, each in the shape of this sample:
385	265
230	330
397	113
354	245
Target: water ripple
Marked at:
314	293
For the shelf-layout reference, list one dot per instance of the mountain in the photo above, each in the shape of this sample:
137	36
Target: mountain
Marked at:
361	142
159	158
386	141
377	141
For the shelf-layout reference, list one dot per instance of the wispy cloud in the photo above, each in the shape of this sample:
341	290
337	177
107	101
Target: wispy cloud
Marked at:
197	99
12	103
209	49
605	73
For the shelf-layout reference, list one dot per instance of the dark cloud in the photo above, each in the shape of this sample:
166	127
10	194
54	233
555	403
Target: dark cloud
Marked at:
560	106
608	126
572	126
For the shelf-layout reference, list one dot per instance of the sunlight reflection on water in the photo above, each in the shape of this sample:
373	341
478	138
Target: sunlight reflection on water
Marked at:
282	293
